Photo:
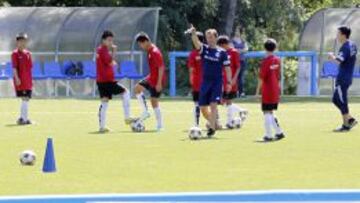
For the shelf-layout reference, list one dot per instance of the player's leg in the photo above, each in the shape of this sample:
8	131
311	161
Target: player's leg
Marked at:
229	111
196	111
139	91
125	94
214	100
268	119
279	134
157	111
25	96
105	90
155	95
213	118
341	102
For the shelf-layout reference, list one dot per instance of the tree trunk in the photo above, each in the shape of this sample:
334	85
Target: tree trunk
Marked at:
226	16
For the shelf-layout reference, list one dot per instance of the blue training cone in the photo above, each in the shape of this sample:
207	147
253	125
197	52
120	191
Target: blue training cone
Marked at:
49	165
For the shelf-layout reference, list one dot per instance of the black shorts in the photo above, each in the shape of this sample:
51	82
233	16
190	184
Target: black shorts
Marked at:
195	96
108	89
229	96
269	107
24	93
152	90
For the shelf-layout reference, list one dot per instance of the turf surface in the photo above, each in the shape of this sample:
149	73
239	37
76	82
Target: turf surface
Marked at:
310	157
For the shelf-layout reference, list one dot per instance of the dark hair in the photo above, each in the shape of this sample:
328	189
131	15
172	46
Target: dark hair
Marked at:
142	37
106	34
21	35
345	30
270	45
223	39
201	37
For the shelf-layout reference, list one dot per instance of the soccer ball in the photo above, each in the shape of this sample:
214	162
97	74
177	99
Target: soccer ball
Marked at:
137	126
237	122
27	158
243	114
195	133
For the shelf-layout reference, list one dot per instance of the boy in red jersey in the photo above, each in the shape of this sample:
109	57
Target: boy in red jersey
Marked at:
269	77
234	56
154	82
105	80
22	66
195	77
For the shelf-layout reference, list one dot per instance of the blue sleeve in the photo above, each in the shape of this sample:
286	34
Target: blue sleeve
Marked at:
344	54
203	49
225	59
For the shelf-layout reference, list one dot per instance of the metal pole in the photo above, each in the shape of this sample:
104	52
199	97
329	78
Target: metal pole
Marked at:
172	75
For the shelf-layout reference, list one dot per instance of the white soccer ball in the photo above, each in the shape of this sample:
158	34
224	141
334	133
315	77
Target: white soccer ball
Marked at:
137	126
27	158
237	122
195	133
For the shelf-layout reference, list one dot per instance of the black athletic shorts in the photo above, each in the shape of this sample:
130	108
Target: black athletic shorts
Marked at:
24	93
152	90
195	96
269	107
108	89
229	96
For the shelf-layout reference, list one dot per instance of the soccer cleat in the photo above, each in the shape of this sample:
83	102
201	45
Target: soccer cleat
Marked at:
210	133
128	121
229	126
21	121
279	136
104	130
352	123
341	129
268	139
145	115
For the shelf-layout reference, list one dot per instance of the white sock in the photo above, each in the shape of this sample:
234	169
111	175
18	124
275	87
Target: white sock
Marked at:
24	109
141	98
276	125
196	114
158	117
236	108
267	124
126	104
229	113
102	114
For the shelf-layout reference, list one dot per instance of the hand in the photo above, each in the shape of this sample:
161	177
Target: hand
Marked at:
233	81
17	81
158	87
191	30
331	56
228	87
114	48
113	63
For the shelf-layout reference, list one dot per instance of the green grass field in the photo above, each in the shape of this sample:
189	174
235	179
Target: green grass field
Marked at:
310	157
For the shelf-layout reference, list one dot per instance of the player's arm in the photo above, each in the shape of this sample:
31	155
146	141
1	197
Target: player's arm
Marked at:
342	55
195	39
237	72
113	54
15	72
228	78
160	76
259	86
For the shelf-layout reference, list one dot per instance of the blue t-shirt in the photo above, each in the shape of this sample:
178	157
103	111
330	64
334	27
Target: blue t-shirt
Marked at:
213	61
347	59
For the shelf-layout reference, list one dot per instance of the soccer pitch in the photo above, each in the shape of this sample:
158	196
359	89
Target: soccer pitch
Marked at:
311	157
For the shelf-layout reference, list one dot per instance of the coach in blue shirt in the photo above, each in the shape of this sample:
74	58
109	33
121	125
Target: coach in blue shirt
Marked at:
346	60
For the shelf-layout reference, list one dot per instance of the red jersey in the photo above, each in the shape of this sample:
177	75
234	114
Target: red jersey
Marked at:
234	57
156	62
194	62
22	62
270	75
104	65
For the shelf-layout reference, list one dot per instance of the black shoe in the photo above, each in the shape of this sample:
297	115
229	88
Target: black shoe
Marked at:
210	133
341	129
268	139
28	122
20	121
229	126
352	122
279	136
